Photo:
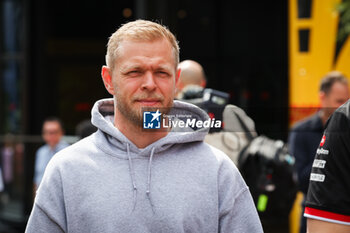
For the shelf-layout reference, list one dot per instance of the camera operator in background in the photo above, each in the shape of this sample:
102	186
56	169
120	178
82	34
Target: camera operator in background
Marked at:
191	88
254	155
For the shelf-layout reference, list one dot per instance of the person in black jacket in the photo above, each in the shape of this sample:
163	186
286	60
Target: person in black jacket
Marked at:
327	205
305	136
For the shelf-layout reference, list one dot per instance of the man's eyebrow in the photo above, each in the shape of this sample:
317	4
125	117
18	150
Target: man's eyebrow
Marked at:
163	67
130	67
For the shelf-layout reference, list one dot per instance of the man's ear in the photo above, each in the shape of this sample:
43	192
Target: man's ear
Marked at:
322	97
203	83
107	79
177	76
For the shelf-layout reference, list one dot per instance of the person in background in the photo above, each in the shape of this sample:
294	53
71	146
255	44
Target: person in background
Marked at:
191	88
7	158
328	198
85	128
305	136
192	80
128	178
52	132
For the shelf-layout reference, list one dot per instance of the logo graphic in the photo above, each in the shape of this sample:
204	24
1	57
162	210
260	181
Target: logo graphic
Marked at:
169	119
151	120
323	140
317	177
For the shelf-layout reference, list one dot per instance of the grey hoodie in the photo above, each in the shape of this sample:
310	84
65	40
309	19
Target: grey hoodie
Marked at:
104	183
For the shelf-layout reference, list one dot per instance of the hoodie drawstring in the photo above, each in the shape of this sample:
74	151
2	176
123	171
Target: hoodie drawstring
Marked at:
148	192
132	175
149	177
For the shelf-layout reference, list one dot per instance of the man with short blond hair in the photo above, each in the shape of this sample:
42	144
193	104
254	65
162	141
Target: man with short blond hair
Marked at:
146	31
136	177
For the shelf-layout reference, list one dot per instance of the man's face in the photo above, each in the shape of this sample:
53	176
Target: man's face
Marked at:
52	133
144	76
338	95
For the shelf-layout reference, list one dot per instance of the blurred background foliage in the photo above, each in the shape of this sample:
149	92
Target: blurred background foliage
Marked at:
344	22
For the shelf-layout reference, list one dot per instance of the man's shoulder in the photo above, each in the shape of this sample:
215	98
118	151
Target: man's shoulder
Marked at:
227	171
77	151
42	149
215	151
217	155
205	151
62	144
340	119
311	123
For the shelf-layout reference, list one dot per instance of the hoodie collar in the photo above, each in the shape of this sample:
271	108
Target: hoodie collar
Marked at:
103	118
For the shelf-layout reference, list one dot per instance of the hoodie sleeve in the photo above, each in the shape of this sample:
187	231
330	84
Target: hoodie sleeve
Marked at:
237	212
41	222
48	213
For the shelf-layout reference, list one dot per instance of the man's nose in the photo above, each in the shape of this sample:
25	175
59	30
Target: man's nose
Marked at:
148	81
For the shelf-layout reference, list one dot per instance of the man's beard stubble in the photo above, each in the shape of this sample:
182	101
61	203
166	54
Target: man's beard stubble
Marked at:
135	116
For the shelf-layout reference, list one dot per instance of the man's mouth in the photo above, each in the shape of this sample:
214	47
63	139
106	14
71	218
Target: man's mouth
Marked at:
148	102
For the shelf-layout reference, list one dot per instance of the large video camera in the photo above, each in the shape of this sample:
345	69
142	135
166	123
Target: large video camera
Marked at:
210	100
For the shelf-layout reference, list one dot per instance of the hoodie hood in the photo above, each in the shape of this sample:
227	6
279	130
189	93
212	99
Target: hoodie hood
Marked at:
103	119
